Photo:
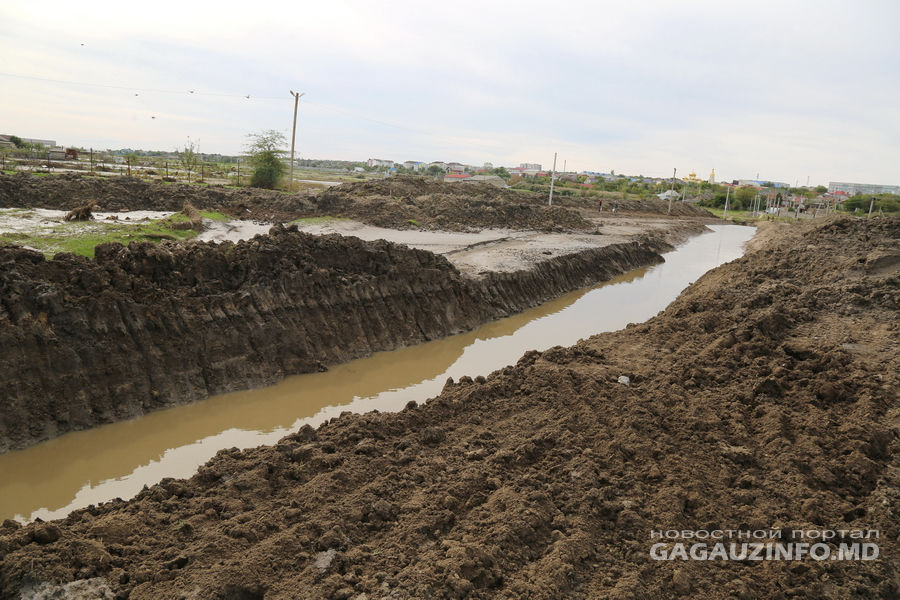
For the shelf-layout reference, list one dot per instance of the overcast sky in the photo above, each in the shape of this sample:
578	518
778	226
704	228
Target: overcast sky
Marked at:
786	89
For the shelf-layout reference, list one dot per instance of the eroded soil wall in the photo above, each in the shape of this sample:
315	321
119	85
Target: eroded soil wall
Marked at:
84	342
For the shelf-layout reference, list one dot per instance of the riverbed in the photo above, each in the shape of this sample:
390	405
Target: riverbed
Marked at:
87	467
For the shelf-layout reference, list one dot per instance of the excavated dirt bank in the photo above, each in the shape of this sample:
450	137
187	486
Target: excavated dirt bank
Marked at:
764	397
397	202
84	342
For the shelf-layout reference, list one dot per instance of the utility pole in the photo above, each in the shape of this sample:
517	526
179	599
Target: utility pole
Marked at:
727	193
553	176
294	136
672	189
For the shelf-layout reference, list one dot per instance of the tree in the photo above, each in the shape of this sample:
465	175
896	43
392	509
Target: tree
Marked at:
501	172
17	141
188	158
821	189
434	170
265	151
743	198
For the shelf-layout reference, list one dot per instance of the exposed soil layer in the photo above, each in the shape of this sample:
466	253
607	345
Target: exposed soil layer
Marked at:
416	203
84	342
764	397
396	202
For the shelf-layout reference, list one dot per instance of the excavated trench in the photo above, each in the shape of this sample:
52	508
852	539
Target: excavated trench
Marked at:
86	342
88	467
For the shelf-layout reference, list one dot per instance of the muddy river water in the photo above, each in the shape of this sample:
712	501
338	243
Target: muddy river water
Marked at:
88	467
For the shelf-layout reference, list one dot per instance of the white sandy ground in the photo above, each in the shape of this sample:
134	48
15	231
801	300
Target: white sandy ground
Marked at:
35	220
470	252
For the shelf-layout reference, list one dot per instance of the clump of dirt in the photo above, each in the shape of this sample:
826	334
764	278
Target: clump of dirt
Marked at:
194	219
82	213
763	398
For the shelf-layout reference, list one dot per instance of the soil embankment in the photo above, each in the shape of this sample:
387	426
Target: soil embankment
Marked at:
764	397
85	342
397	202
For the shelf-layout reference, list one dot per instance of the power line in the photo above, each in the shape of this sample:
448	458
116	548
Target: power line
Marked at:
194	92
135	89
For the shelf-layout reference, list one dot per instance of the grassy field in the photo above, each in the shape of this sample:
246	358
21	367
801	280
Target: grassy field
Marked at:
82	237
747	215
317	220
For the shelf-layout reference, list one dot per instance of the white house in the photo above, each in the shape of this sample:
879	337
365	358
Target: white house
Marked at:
379	162
669	195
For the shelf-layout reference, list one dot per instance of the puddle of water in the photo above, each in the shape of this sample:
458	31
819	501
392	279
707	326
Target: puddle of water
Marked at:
36	220
87	467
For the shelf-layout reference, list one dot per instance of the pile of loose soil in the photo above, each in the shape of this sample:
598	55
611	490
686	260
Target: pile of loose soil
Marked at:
410	202
633	205
114	194
398	202
764	397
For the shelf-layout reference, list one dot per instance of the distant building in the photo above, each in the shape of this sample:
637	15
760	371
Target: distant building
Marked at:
494	180
451	177
47	143
712	176
669	195
378	162
761	183
853	189
456	167
526	169
415	165
488	166
440	165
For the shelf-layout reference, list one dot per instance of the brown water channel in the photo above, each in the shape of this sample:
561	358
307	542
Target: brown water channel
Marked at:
87	467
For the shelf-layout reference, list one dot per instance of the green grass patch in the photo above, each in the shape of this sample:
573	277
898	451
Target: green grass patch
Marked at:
82	237
747	215
215	216
317	220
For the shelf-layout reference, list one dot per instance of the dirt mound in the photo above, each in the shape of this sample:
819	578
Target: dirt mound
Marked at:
632	205
130	193
194	220
763	398
405	202
398	202
82	213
